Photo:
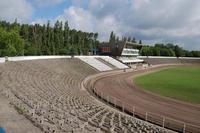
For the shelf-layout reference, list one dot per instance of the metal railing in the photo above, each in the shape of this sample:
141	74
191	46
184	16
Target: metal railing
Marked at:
162	121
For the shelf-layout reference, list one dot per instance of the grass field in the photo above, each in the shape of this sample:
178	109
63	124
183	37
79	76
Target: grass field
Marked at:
182	83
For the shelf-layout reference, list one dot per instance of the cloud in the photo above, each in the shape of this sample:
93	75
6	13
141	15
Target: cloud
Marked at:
78	18
175	21
152	20
11	9
82	19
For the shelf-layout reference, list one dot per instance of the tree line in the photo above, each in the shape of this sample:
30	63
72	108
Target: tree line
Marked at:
168	49
114	38
24	39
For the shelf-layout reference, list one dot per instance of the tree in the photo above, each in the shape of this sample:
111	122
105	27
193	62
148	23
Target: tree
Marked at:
112	37
195	53
178	51
146	51
24	39
72	51
156	52
66	34
129	39
133	40
11	43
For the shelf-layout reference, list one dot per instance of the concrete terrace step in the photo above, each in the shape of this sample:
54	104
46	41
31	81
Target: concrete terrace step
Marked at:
114	62
107	63
92	61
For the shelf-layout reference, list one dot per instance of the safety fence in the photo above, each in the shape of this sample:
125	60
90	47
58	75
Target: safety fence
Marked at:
153	118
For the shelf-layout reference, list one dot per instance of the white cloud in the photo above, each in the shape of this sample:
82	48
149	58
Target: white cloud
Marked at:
153	20
175	21
84	20
11	9
78	18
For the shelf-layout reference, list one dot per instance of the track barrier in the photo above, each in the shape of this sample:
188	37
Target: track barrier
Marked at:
153	118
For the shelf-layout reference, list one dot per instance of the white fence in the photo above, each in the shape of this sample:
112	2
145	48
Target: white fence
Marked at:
2	60
23	58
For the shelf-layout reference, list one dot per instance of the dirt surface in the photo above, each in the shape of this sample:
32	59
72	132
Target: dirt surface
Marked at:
121	87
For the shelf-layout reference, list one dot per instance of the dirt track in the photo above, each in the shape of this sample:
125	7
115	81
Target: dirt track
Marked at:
121	87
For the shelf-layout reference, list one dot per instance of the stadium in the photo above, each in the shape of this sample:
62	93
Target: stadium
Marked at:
94	94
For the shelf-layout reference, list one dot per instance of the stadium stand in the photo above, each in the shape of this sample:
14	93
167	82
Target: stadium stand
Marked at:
170	60
131	60
107	63
103	63
95	63
114	62
156	60
186	60
51	93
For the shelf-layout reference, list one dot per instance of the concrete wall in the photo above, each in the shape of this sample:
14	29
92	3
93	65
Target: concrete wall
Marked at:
2	60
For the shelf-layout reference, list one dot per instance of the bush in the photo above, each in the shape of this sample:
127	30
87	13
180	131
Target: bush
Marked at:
63	51
31	51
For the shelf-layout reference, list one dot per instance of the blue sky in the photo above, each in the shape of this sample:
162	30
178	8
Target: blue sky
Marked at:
153	21
50	10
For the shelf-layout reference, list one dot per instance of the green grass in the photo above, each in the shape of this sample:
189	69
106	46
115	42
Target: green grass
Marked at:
181	83
20	110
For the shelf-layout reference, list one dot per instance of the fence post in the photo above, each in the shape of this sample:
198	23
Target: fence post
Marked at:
122	106
115	102
100	95
133	111
95	92
146	116
107	99
184	126
163	124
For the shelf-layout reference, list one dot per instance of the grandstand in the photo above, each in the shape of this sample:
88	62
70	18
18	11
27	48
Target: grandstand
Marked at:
95	63
125	52
156	60
103	63
50	91
114	62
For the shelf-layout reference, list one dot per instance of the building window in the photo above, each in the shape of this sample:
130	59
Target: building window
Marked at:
105	49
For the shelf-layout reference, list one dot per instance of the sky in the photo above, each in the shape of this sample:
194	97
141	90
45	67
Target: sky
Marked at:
152	21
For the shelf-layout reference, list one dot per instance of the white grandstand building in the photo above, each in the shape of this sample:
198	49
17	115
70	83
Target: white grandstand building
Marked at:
126	52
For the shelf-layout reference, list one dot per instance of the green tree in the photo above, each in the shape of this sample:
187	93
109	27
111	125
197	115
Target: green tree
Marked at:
178	51
112	38
11	43
66	34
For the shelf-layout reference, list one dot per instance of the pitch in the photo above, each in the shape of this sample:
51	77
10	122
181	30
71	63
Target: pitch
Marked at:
181	83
